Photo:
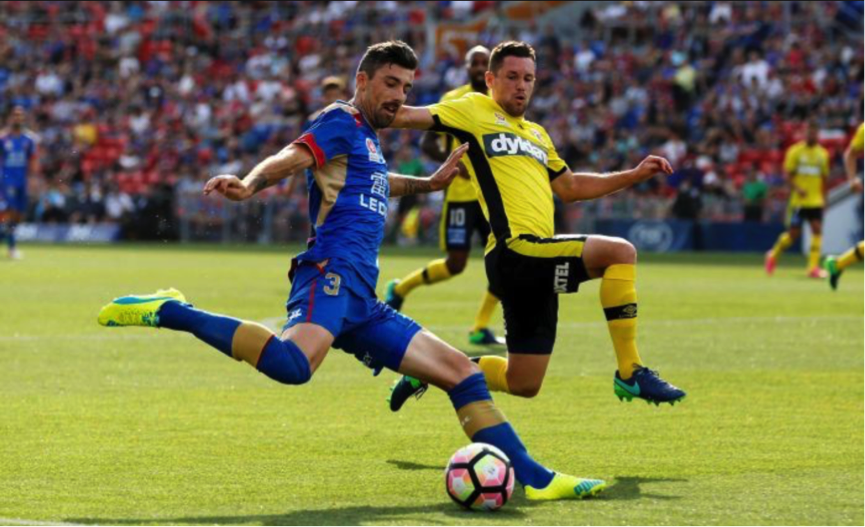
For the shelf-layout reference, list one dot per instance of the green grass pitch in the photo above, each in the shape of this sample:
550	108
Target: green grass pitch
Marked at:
136	426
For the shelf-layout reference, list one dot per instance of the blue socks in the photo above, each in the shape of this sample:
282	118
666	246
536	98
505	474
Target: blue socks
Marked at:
282	361
495	430
527	470
216	330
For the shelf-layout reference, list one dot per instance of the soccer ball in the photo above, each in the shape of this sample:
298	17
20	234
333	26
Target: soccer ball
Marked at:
480	476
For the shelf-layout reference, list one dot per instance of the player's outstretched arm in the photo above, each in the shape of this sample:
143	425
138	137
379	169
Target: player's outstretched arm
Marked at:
414	117
287	162
850	156
441	178
579	187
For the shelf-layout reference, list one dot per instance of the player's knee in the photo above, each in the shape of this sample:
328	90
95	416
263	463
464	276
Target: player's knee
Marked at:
284	362
624	252
523	385
461	369
630	253
456	263
527	391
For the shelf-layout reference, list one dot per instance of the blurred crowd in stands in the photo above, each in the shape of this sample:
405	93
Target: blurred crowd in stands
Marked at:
136	103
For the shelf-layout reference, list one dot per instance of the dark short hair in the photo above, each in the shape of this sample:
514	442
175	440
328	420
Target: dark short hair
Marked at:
511	48
394	52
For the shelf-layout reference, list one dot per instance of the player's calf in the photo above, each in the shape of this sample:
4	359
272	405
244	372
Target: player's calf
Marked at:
281	360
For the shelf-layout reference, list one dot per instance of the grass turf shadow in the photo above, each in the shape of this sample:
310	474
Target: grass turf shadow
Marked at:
410	465
625	488
337	516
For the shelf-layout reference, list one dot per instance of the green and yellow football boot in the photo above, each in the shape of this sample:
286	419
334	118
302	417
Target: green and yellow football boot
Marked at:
137	310
565	487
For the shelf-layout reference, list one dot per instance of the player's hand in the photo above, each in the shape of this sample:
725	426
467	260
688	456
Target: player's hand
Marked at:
652	166
856	185
799	190
449	169
229	186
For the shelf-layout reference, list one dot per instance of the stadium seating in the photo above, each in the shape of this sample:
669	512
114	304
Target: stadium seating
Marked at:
181	94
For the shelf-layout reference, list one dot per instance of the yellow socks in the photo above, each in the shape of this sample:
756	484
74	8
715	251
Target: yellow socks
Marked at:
814	253
619	300
482	319
784	241
496	372
851	256
435	271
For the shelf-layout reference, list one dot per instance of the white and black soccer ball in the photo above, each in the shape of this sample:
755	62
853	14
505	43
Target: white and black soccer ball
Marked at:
480	476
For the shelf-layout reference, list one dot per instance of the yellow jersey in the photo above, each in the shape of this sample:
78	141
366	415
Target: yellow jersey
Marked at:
511	162
856	144
461	190
808	166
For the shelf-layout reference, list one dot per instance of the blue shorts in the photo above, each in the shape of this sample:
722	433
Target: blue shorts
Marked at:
13	197
335	298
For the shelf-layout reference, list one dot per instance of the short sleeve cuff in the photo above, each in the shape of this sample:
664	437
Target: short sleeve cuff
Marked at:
556	173
437	126
308	140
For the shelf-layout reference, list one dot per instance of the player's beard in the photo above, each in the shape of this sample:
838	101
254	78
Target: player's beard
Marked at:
382	117
514	109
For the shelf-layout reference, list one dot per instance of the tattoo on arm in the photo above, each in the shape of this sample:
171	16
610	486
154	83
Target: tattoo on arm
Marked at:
405	185
416	186
259	183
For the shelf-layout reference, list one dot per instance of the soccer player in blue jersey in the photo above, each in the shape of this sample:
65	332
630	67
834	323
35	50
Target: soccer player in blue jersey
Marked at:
17	160
333	302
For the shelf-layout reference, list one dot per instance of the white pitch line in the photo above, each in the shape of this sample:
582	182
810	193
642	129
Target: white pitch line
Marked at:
19	521
276	322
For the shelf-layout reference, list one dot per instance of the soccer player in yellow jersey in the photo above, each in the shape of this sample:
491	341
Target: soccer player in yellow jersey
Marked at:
515	168
461	216
806	166
836	265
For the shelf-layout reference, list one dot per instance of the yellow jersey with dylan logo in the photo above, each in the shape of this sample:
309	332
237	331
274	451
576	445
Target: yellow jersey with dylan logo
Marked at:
511	161
461	190
808	166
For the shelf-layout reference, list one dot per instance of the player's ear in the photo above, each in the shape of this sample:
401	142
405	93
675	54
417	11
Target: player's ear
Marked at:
360	80
488	77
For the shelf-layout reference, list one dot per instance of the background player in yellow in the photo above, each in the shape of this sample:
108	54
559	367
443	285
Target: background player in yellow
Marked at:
836	265
461	216
516	170
806	166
